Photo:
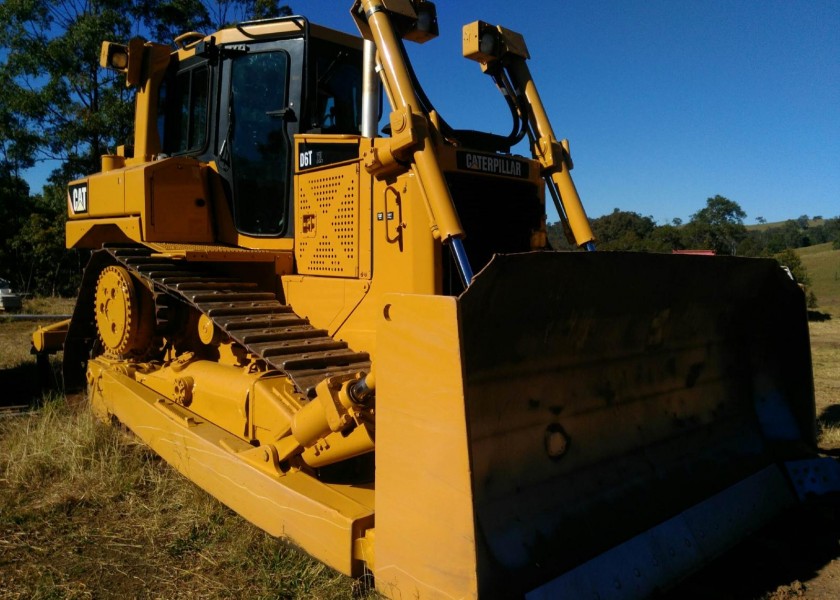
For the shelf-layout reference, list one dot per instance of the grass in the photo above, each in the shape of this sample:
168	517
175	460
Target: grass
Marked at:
825	356
85	512
19	377
823	265
48	305
775	224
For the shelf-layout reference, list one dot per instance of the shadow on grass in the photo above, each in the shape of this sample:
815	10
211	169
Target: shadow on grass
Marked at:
830	417
817	316
26	383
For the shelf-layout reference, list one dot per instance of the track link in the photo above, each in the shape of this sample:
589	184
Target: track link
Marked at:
253	318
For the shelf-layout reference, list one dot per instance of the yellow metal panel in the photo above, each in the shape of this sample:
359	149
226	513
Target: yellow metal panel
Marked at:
217	252
407	261
248	33
425	540
92	233
326	302
327	221
50	338
135	197
258	243
214	391
177	202
365	227
222	217
322	519
106	194
407	257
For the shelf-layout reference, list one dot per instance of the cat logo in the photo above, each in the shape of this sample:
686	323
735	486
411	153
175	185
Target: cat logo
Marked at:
78	197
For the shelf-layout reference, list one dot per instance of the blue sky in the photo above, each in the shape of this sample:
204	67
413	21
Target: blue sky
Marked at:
665	103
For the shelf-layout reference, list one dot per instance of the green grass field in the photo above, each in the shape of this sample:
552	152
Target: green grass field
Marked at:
823	264
766	226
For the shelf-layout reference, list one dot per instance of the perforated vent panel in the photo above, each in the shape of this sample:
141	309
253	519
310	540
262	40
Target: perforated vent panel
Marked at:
327	222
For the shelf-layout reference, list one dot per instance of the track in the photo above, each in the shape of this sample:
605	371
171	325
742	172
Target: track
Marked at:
253	318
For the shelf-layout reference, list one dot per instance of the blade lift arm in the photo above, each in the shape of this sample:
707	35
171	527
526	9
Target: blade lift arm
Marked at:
386	22
502	54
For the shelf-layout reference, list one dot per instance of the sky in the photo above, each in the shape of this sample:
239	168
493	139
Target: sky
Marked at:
665	102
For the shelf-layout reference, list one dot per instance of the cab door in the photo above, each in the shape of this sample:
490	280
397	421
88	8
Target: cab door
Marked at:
260	97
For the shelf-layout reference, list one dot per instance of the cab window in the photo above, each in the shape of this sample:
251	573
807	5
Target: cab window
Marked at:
183	106
259	144
338	89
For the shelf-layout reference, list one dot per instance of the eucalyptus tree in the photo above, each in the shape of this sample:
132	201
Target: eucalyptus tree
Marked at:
57	104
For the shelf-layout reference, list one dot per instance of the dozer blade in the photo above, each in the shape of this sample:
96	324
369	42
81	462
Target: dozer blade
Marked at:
586	424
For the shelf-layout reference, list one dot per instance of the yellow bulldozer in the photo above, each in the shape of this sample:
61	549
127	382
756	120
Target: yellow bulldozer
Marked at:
359	339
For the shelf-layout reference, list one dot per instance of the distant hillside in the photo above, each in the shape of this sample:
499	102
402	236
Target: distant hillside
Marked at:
823	264
765	226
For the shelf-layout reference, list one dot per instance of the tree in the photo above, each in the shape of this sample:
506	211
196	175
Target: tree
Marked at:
66	107
623	230
831	228
666	238
17	143
56	103
754	244
719	226
790	259
14	197
171	18
32	255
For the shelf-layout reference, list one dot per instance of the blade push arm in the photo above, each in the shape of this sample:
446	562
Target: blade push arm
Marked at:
502	54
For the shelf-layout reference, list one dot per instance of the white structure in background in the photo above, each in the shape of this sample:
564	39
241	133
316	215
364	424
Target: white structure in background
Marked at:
9	300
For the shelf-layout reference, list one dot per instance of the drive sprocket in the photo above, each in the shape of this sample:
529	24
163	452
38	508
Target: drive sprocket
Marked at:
118	314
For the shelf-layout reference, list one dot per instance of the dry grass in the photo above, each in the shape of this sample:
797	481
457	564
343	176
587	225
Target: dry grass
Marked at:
19	378
825	355
823	264
16	328
48	305
14	344
87	513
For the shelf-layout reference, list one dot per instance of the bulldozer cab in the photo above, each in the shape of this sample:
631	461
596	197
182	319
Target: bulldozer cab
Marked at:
238	105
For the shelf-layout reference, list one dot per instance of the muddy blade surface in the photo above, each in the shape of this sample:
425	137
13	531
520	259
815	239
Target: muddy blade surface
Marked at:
608	392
